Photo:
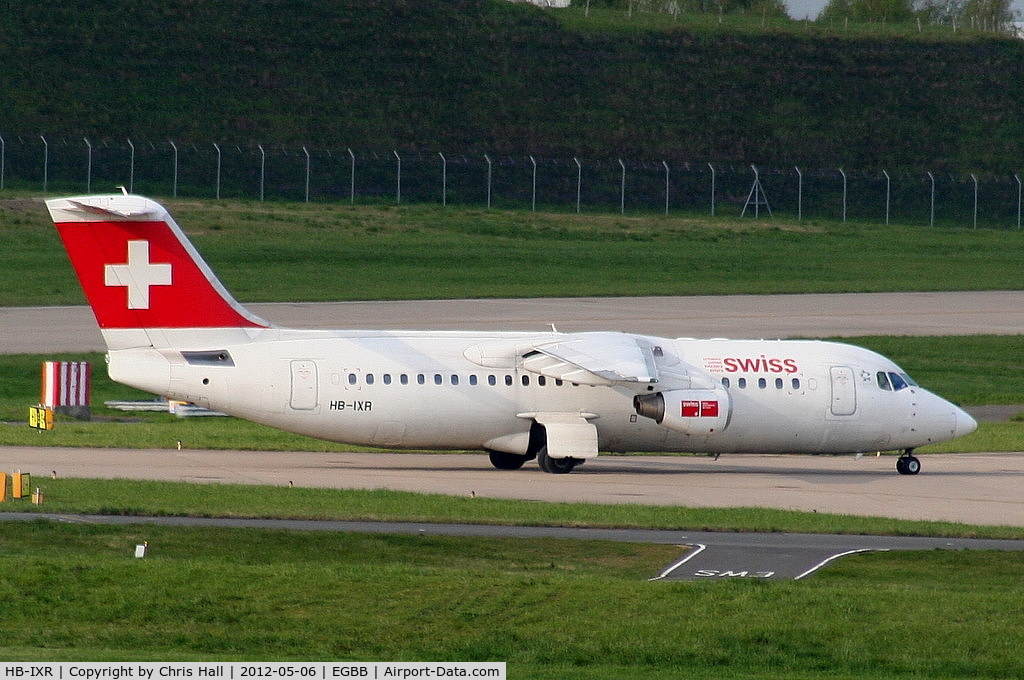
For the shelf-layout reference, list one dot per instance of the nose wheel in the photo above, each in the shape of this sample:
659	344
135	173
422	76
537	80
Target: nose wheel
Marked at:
908	464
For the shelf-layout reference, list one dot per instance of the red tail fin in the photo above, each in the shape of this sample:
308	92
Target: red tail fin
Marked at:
138	269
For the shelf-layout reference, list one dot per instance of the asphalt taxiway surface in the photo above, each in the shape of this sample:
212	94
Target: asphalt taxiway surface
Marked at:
73	329
971	488
967	488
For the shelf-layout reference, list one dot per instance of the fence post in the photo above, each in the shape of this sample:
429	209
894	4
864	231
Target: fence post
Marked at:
46	162
352	185
398	190
174	191
444	180
131	168
799	194
888	185
931	220
218	170
666	187
712	189
975	178
1018	199
488	159
306	151
844	194
88	167
533	202
622	193
263	171
579	182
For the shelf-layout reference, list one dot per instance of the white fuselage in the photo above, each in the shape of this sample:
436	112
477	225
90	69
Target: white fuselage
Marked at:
465	390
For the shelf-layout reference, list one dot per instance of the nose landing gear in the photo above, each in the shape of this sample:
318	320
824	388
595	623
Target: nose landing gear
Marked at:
907	464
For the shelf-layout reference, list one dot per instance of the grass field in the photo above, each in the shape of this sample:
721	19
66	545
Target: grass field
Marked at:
549	608
314	252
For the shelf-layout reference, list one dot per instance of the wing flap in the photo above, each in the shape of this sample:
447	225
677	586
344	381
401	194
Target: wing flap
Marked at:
595	359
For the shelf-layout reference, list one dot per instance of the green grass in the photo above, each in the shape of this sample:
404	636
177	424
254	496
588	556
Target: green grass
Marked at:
549	608
132	497
339	252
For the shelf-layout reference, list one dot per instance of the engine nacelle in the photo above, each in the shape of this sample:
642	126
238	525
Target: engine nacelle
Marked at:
694	412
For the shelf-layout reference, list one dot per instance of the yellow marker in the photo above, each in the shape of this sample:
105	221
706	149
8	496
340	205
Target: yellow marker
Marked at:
40	418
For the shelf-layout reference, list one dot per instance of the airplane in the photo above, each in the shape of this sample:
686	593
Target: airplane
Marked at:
171	328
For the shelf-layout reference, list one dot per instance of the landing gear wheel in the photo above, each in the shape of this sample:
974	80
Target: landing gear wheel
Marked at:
908	464
555	466
506	461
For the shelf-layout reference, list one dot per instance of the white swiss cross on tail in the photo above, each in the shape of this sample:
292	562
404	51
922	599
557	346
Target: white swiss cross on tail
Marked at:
139	271
137	275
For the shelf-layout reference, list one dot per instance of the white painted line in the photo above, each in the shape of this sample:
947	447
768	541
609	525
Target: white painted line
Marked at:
696	550
833	558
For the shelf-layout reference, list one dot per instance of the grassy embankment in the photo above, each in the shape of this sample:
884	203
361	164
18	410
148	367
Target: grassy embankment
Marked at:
488	76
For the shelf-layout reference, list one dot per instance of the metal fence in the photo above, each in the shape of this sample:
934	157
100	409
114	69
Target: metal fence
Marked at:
627	186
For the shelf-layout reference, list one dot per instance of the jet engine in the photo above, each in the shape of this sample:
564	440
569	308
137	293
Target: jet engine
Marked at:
693	412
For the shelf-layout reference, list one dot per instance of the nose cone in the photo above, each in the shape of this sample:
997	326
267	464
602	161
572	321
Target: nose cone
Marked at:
937	420
964	423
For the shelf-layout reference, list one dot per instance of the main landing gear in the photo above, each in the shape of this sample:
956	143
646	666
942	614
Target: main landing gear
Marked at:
514	461
907	464
508	461
556	466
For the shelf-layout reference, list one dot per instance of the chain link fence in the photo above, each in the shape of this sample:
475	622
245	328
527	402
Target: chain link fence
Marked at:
627	186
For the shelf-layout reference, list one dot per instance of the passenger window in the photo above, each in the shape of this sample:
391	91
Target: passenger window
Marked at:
438	379
508	380
762	383
472	379
491	380
404	379
351	378
455	379
369	378
542	381
387	378
725	383
778	383
421	379
796	383
742	383
526	381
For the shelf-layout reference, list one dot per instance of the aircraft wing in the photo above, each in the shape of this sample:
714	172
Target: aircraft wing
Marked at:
595	359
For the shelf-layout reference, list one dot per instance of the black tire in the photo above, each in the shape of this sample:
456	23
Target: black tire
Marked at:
555	466
506	461
908	465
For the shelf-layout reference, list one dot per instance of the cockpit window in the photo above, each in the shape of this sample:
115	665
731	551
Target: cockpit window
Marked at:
898	383
883	381
893	381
